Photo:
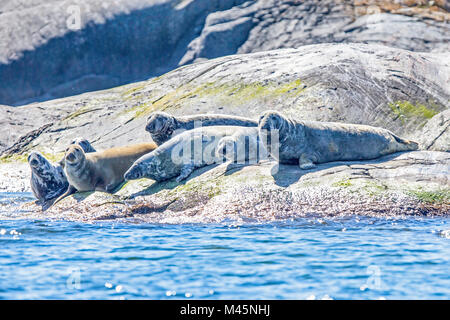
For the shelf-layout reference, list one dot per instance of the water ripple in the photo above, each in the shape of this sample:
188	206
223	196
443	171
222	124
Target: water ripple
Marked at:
313	257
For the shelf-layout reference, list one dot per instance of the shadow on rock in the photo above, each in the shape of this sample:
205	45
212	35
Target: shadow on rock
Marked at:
170	184
81	196
232	168
286	175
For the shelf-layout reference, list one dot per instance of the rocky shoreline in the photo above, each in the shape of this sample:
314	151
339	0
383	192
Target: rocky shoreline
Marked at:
399	90
411	183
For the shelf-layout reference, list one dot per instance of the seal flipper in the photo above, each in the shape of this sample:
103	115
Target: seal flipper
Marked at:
71	190
185	172
305	163
62	163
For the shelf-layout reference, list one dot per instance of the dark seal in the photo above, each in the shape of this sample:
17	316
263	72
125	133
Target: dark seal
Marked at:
163	126
48	181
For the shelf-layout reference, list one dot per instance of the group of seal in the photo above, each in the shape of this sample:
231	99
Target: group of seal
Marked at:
304	143
188	151
183	144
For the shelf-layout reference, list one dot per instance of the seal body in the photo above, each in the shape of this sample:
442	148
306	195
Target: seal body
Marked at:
243	147
104	170
163	126
48	181
309	142
181	155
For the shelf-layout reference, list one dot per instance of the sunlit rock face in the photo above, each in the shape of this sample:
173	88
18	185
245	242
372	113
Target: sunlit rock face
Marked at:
399	90
53	49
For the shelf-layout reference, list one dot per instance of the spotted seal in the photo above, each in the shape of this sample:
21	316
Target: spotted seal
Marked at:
48	181
182	154
163	126
307	143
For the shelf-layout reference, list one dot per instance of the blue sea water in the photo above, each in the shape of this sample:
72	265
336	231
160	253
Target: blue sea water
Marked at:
305	258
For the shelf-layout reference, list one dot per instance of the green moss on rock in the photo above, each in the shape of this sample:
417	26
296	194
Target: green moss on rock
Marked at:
373	188
438	196
52	157
227	93
406	110
210	189
244	92
343	183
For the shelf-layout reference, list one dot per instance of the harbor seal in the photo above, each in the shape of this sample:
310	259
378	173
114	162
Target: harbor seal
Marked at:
182	154
100	171
48	180
307	143
163	126
243	147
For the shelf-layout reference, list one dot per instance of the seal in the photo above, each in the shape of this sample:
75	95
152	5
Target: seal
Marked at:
48	180
83	143
182	154
243	147
307	143
163	126
100	171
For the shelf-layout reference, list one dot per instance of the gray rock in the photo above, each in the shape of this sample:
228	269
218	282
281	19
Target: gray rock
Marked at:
414	183
399	90
269	25
43	57
436	133
353	83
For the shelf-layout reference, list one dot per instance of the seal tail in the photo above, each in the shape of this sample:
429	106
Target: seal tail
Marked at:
406	145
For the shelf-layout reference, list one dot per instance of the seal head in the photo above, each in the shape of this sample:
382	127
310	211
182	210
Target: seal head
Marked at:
160	125
271	120
83	143
272	126
149	166
47	181
226	148
39	164
74	155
